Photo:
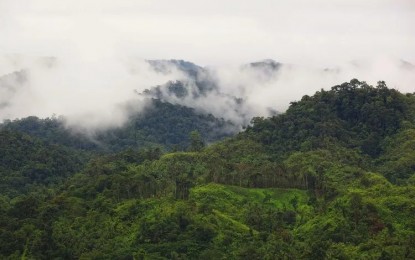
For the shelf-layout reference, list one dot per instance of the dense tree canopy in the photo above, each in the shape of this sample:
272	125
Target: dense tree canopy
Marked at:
353	114
332	178
162	124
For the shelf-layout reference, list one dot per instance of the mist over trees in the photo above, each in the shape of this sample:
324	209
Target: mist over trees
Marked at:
109	92
332	177
207	129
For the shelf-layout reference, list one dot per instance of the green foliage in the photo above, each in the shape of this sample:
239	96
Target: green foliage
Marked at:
353	114
196	142
333	178
398	161
26	162
162	124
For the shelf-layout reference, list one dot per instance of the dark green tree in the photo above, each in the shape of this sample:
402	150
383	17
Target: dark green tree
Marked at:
196	141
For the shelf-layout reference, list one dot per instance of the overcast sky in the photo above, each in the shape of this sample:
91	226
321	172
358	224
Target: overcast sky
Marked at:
211	32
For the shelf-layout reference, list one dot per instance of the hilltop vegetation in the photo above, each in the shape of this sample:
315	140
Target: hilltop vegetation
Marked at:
162	124
332	178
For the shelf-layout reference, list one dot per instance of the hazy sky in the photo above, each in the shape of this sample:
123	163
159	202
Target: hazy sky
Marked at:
100	45
211	32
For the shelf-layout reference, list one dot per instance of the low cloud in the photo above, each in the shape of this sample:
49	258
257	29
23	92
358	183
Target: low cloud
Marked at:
102	94
91	94
76	58
263	88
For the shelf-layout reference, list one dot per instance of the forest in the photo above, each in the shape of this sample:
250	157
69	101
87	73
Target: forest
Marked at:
333	177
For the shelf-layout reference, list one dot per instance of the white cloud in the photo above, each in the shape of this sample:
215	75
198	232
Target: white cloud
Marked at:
93	40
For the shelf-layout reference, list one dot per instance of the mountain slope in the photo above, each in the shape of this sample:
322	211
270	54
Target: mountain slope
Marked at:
332	178
354	114
27	162
162	124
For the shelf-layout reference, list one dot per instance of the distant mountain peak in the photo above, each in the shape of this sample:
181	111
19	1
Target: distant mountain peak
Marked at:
166	66
266	64
407	65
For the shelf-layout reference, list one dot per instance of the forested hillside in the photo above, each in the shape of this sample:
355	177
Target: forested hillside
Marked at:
332	178
27	163
162	124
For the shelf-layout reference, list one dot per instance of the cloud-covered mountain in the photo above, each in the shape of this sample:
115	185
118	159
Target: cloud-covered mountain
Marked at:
103	94
202	88
10	84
